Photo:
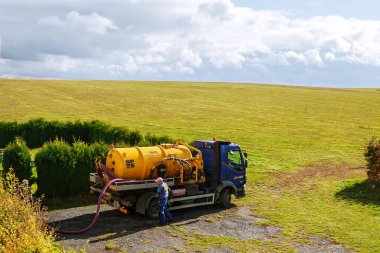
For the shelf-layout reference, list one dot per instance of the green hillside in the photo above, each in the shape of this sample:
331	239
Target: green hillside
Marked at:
286	130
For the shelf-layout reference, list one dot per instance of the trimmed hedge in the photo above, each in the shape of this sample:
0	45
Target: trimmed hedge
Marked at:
38	131
85	157
16	156
70	150
372	156
102	132
55	165
151	139
63	170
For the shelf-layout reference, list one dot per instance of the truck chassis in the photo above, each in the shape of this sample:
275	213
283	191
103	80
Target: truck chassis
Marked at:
144	198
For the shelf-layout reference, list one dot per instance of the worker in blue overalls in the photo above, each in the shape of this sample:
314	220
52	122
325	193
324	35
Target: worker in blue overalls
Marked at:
163	195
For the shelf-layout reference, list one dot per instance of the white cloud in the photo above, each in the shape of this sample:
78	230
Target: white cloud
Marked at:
191	58
183	69
330	56
3	61
60	62
176	39
291	55
93	23
217	9
313	57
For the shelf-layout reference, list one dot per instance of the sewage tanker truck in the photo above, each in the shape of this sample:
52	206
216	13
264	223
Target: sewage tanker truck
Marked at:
208	173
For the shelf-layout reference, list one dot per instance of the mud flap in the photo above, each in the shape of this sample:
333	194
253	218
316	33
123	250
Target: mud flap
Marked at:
224	184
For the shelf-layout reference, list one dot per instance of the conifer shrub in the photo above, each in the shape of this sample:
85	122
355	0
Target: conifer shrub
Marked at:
55	164
151	139
372	155
84	163
36	132
17	156
63	170
8	132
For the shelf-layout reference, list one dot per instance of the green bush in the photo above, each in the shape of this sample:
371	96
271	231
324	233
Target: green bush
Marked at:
102	132
100	151
34	132
17	156
8	132
84	157
38	131
151	139
135	138
372	156
63	170
55	163
73	131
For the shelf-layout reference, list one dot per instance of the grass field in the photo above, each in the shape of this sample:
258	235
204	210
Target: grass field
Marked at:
286	130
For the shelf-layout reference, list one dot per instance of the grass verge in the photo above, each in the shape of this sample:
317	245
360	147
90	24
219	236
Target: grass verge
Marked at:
344	211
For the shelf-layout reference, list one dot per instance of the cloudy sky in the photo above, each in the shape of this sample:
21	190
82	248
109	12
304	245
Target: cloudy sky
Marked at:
317	43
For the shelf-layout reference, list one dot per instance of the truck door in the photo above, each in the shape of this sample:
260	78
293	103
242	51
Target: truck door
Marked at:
233	165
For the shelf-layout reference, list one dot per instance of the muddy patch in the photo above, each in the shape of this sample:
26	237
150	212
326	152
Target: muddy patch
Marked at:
321	245
317	172
237	222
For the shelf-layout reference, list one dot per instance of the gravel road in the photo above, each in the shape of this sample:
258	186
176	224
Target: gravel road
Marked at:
118	232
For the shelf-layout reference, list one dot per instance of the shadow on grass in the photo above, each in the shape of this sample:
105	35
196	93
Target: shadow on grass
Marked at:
361	192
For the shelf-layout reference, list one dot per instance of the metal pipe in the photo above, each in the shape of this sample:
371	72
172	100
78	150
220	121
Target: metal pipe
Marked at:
180	161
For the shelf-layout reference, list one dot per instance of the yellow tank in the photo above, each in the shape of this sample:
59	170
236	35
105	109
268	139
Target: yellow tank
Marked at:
171	161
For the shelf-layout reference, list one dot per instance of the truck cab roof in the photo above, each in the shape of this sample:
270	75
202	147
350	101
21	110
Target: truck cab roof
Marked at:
213	142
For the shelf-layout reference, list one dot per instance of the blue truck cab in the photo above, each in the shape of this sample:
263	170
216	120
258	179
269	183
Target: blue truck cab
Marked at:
225	166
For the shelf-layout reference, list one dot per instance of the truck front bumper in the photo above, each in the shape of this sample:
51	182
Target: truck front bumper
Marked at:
240	191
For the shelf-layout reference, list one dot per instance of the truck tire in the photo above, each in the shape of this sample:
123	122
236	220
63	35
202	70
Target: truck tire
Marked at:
153	208
225	198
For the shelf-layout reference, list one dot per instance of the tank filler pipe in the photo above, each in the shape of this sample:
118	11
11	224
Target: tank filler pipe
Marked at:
180	161
96	217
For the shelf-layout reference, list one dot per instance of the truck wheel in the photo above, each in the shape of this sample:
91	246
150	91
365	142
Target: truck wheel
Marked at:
225	198
153	208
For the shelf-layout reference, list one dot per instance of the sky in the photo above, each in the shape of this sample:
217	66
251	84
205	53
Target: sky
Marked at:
313	43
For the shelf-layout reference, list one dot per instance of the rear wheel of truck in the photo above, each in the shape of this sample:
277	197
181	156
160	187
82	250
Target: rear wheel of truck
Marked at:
225	198
153	208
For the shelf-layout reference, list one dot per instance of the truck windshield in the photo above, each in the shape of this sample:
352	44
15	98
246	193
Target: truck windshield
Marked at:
234	158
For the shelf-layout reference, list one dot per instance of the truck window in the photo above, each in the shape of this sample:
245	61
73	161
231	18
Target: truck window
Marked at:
234	159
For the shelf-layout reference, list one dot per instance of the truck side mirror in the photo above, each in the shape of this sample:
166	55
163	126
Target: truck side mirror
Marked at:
245	153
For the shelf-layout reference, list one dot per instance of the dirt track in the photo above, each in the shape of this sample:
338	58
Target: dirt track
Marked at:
134	233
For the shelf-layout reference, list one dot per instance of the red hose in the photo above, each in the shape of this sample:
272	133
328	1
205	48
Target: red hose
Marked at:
63	231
